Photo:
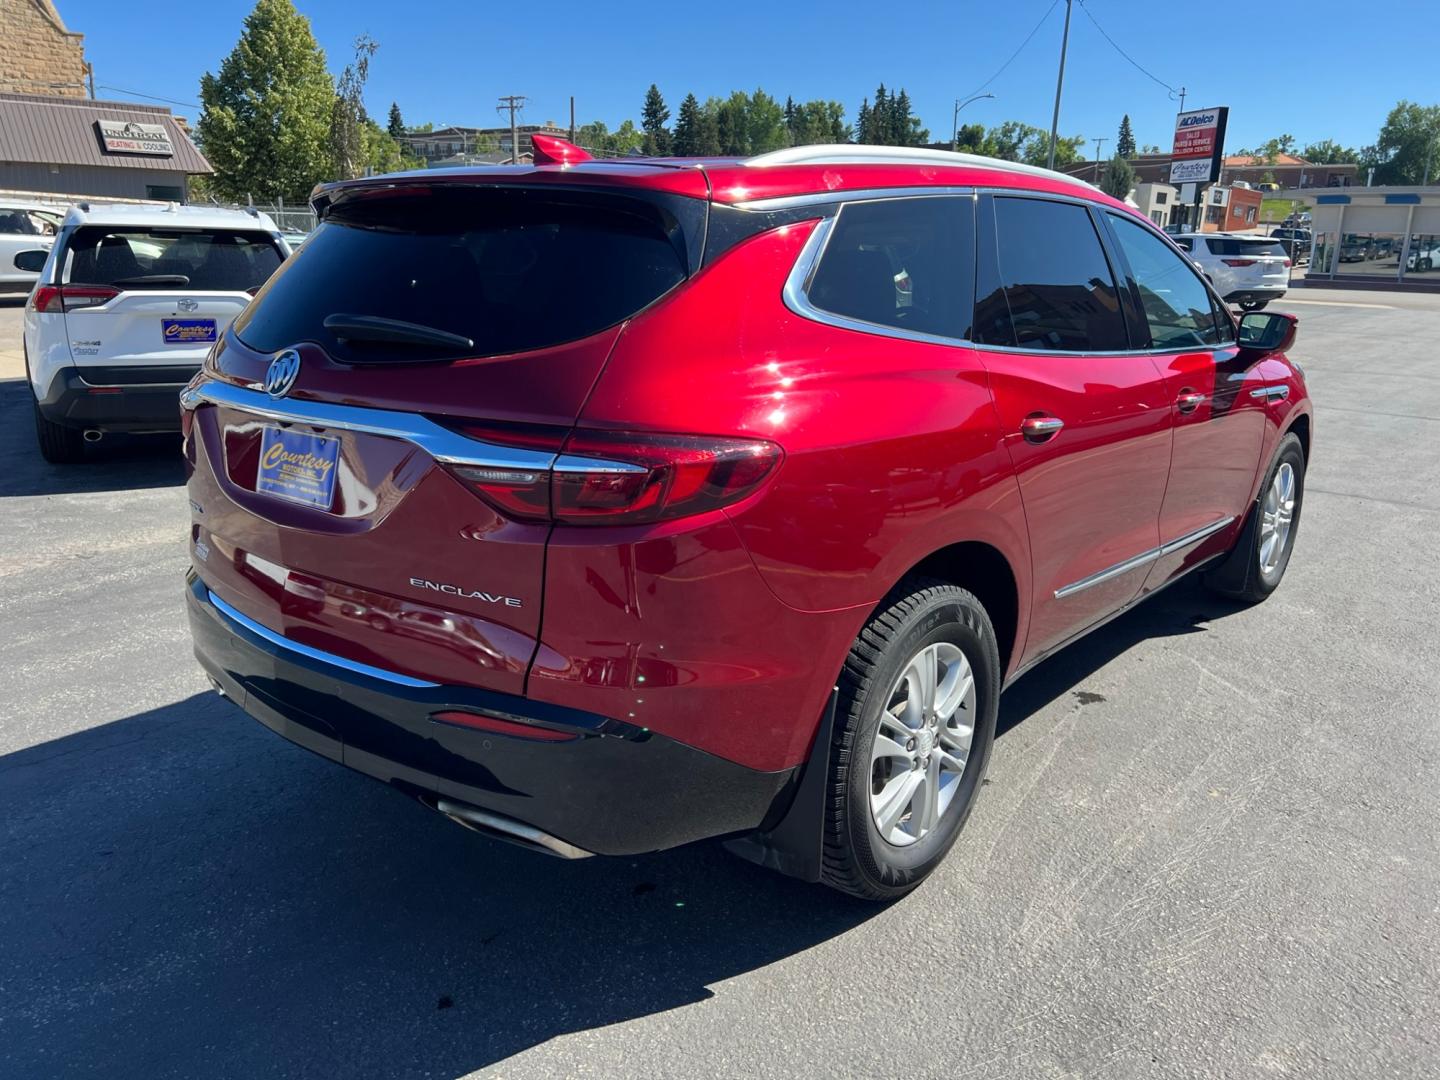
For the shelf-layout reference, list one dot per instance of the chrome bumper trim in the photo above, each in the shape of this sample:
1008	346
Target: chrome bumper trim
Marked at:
283	642
438	441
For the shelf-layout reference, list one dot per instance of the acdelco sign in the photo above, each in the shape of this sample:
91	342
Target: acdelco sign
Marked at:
1199	137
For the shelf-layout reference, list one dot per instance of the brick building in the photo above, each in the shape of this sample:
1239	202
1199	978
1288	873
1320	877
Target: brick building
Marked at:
1287	170
39	54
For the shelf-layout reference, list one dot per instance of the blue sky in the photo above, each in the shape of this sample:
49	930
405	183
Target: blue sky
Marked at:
450	66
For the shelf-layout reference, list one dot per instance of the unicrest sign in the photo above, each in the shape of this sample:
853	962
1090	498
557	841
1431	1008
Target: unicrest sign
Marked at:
127	137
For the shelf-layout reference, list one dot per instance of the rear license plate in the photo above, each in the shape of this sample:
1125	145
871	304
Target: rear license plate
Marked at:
188	331
297	466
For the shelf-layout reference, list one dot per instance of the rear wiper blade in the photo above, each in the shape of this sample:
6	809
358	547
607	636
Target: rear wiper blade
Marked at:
154	279
393	331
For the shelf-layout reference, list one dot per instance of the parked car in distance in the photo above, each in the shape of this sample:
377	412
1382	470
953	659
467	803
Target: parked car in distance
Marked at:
24	226
1424	253
1298	243
1249	271
125	307
604	508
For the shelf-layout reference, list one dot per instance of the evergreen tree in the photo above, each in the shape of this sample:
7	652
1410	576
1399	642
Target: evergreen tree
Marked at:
652	122
708	139
396	127
880	118
1119	177
863	121
265	119
765	123
687	128
1125	143
730	128
905	129
792	120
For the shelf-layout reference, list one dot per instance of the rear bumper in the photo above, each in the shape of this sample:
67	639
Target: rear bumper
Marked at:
137	399
611	788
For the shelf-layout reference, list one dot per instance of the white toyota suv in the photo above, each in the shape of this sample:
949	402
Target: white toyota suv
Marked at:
1248	271
128	302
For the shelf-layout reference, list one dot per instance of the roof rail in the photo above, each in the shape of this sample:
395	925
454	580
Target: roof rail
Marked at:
851	154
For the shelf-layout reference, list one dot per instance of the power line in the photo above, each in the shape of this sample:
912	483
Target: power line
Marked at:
152	97
1133	63
1017	52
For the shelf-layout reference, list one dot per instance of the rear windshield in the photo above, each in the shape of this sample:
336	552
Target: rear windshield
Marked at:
1229	245
199	260
510	270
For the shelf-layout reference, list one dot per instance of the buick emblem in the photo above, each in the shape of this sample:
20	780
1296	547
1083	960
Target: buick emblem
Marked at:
188	305
280	375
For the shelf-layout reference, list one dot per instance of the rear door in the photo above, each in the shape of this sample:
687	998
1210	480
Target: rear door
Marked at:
389	502
1085	417
161	297
1218	424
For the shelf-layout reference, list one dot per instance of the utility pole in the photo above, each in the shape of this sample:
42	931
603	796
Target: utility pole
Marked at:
1097	143
1182	99
572	118
1059	85
514	103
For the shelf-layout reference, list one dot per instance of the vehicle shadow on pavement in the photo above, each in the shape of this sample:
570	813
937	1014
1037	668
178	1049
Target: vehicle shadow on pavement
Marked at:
118	463
185	894
1183	608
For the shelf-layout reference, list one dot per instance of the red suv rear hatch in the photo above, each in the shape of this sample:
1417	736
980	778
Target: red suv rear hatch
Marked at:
389	506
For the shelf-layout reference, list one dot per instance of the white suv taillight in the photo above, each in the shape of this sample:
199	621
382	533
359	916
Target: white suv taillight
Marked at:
54	299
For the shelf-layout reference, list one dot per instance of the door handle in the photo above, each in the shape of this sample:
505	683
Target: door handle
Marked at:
1038	429
1189	400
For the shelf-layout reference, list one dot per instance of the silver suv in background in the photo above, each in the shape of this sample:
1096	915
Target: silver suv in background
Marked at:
125	307
1248	271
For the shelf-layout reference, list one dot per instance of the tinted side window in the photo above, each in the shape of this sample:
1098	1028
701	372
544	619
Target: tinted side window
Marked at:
1047	285
1176	302
906	263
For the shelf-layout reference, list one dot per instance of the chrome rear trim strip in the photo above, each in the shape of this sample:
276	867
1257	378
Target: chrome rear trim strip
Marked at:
283	642
1143	559
438	441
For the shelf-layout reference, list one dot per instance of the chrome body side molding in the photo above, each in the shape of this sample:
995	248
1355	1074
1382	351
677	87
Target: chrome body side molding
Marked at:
1145	558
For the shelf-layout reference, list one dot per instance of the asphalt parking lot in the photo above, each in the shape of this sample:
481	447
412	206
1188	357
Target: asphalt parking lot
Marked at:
1208	845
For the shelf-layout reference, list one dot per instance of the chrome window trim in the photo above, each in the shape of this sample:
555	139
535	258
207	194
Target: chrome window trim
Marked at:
283	642
438	441
1143	559
823	198
797	298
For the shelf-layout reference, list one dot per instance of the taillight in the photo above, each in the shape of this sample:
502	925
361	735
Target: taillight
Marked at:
1238	262
54	299
1287	263
621	478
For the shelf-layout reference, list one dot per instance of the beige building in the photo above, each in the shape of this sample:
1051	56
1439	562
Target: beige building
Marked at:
39	54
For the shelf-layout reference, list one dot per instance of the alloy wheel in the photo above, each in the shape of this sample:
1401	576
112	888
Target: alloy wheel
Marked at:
1277	514
923	742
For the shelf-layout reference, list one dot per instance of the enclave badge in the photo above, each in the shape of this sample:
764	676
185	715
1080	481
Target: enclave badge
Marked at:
281	374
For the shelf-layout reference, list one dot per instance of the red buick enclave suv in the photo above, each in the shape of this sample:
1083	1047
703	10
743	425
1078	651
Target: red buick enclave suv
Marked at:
607	506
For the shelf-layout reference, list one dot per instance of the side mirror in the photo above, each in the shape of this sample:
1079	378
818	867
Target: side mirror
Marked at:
1268	332
32	262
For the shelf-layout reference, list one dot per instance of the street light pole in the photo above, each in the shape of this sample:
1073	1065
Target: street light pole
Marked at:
1059	85
955	120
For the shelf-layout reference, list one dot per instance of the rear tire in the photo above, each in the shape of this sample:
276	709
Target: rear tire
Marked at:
1256	564
59	445
884	831
1253	305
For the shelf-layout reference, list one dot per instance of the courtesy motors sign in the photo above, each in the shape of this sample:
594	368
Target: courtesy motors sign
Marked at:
1199	143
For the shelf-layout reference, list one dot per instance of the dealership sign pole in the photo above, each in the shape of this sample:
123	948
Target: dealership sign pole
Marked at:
1198	150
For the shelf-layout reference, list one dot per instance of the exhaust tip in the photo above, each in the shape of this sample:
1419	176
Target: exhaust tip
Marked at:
93	435
507	829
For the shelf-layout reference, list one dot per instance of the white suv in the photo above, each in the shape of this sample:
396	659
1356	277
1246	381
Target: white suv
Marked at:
23	226
128	302
1249	271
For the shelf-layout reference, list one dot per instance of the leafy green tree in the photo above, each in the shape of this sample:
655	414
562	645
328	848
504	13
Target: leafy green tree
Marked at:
265	118
970	139
820	122
730	126
708	138
765	123
1125	141
1407	150
1150	148
1119	179
652	122
396	127
686	142
1329	152
348	141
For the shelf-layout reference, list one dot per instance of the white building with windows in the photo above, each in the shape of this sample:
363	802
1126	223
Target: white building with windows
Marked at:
1376	235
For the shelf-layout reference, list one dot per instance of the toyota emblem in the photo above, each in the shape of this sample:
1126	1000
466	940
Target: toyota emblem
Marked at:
280	375
188	305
